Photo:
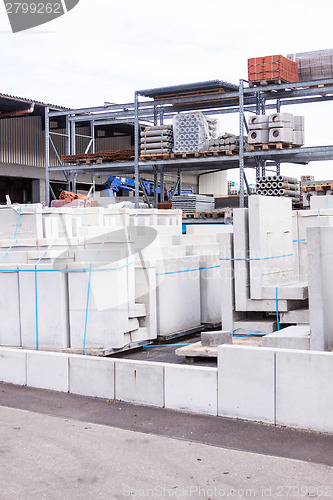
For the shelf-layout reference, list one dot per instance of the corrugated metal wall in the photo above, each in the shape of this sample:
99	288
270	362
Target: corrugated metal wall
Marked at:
22	142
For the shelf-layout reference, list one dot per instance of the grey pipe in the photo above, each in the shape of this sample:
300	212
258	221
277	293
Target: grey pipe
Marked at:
287	185
268	185
270	192
291	180
287	192
274	185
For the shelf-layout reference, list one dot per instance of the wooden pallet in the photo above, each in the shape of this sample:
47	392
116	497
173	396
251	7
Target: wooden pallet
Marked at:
192	94
324	186
162	156
203	154
272	145
202	215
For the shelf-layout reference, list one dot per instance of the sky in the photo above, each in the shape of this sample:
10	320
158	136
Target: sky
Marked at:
104	50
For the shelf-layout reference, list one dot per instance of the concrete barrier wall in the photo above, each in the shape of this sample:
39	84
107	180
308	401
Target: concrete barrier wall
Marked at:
278	386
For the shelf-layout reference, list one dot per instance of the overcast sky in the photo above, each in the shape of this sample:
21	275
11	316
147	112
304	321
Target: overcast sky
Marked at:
104	50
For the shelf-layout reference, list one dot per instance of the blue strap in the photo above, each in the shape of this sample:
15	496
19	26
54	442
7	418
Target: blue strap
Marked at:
277	308
8	250
17	222
250	334
260	258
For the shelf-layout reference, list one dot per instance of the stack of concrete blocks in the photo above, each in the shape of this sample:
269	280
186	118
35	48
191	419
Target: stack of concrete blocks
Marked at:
260	258
156	140
138	273
192	131
276	128
227	142
258	129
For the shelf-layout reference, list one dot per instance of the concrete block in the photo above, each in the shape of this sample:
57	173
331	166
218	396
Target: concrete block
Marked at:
246	381
48	370
140	335
258	136
304	396
281	135
50	306
13	366
10	327
138	310
139	382
321	202
320	255
300	316
145	293
292	337
214	339
191	389
271	243
210	288
259	325
256	120
208	229
178	295
91	376
286	118
107	317
299	122
298	138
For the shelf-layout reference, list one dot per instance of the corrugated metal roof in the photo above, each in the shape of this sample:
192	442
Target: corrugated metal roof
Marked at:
189	87
30	101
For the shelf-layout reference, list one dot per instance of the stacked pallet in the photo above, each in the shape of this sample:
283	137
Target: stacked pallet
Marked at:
100	157
227	142
156	140
278	185
315	65
271	69
193	203
282	128
192	132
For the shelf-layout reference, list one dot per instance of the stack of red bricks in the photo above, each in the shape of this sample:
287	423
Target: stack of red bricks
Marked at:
272	69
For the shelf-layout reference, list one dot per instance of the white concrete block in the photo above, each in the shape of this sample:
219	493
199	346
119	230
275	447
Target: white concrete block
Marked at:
13	366
210	289
178	295
286	118
49	308
91	376
292	337
258	136
139	382
145	293
208	229
246	383
140	335
304	396
10	327
191	389
271	243
320	255
107	315
300	316
258	120
321	202
48	370
259	325
281	135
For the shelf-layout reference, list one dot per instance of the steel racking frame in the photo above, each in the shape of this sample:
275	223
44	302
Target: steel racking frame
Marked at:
153	111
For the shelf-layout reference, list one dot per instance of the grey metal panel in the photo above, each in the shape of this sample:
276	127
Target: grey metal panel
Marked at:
22	141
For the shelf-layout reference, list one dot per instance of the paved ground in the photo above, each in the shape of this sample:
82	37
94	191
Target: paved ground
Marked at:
55	445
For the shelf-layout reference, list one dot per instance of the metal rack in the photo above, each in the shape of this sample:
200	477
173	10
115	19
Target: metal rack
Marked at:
155	111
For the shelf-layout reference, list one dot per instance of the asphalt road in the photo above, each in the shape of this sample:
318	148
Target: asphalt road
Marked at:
55	445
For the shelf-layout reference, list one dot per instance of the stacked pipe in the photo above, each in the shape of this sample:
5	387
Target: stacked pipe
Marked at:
278	127
278	185
192	132
227	142
156	140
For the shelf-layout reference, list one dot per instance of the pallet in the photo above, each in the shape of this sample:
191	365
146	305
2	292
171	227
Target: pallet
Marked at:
327	186
196	93
162	156
272	145
100	157
202	215
197	350
264	83
203	154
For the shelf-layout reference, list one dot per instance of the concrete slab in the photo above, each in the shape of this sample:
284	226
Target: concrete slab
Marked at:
191	389
297	316
139	382
91	376
292	337
10	327
246	381
216	338
258	326
304	397
48	370
271	243
13	366
320	254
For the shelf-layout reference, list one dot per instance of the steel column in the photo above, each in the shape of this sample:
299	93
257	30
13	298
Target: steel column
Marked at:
241	143
136	148
47	158
162	184
155	187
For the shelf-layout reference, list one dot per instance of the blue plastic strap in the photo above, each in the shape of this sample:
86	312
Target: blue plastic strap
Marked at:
259	258
8	250
17	222
277	308
250	334
86	318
